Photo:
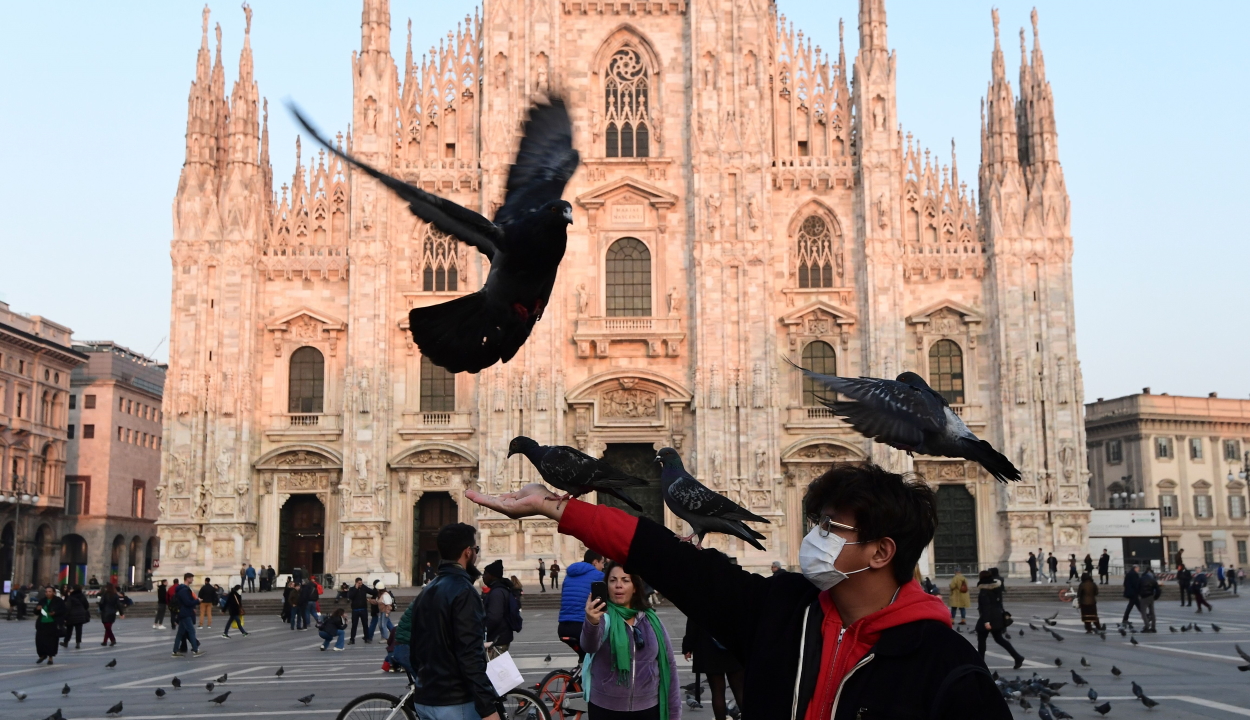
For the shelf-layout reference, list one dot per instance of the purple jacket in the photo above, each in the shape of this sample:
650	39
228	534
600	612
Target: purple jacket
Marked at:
642	690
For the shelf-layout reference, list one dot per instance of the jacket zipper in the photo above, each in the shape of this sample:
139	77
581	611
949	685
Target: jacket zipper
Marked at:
833	713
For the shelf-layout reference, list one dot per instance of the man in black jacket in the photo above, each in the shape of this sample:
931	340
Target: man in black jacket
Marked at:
448	624
307	603
1132	588
1183	578
1104	566
498	604
359	596
852	636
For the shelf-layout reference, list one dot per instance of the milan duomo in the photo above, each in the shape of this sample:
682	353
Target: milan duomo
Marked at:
745	197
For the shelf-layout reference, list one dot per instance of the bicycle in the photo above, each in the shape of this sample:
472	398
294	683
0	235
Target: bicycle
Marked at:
516	704
562	691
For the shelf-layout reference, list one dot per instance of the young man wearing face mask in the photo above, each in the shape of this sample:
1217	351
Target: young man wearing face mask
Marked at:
852	636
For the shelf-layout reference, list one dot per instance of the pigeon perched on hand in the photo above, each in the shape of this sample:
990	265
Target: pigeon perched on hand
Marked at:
306	699
221	698
575	472
1103	709
907	414
705	511
1244	656
115	710
525	244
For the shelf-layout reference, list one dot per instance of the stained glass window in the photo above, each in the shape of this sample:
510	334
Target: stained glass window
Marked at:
627	105
815	253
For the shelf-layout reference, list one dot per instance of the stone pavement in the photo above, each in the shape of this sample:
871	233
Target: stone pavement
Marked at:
1191	675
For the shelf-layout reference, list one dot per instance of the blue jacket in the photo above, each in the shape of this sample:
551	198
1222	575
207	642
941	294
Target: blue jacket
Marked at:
187	602
251	573
576	588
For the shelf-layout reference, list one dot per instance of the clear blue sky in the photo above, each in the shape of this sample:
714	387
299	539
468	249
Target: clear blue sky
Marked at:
1151	98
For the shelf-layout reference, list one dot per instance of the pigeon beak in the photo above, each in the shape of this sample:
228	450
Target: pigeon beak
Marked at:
568	215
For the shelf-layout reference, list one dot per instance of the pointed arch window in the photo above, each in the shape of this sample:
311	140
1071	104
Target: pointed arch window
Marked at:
627	105
818	357
628	279
817	261
440	262
438	388
306	385
946	371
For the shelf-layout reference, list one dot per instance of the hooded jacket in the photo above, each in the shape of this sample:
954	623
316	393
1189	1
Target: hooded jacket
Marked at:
577	581
801	662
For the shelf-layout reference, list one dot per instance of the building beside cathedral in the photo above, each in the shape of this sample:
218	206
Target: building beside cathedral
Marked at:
743	198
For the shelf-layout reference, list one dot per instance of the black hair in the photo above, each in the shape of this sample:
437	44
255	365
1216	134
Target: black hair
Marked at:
884	504
639	601
453	539
591	556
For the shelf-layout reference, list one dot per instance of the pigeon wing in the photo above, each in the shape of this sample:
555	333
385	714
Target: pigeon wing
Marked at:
885	410
544	163
566	467
443	214
1244	656
700	501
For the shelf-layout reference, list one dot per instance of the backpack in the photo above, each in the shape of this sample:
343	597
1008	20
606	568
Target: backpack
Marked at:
514	612
175	605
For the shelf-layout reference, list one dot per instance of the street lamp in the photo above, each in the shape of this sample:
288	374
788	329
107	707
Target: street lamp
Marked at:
1128	496
17	496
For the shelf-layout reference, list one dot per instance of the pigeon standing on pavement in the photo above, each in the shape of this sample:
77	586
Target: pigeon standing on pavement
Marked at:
1148	702
223	677
281	671
907	414
1137	691
1077	679
221	698
210	685
1115	671
1055	635
1058	662
1133	640
704	510
1093	695
111	663
160	692
575	472
1084	662
1043	712
1215	627
306	699
1103	709
524	244
19	695
115	710
176	683
1197	627
65	689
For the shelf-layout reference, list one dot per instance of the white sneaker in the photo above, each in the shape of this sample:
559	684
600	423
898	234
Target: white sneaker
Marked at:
338	649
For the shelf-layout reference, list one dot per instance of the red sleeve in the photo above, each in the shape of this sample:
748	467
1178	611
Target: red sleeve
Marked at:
606	530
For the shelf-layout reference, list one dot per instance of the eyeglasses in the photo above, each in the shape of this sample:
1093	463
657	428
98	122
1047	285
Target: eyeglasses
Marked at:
828	525
476	550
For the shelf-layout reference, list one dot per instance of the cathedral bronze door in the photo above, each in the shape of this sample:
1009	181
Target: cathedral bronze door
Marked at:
301	543
434	510
955	542
637	459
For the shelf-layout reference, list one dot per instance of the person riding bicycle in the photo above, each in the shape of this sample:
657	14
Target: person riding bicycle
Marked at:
578	578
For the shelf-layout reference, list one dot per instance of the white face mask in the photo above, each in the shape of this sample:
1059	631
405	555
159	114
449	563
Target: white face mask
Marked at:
817	556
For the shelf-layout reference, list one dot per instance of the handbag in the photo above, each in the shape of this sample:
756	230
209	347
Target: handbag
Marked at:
963	587
503	673
1007	619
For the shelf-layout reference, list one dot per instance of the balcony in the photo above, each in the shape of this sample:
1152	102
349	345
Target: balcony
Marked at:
295	427
596	335
441	424
811	417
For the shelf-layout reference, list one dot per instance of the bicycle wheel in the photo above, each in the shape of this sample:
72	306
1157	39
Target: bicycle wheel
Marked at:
375	706
518	704
552	691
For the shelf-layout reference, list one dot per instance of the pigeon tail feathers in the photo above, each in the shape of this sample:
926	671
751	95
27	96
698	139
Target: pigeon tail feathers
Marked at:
995	462
462	335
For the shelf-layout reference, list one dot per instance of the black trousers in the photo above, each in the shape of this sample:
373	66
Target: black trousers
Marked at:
1102	578
1003	642
72	629
1186	598
1133	604
570	632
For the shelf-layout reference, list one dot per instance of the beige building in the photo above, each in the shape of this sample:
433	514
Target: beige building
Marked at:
36	361
743	197
114	461
1187	456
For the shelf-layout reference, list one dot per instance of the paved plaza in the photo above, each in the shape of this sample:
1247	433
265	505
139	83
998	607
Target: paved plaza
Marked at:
1192	675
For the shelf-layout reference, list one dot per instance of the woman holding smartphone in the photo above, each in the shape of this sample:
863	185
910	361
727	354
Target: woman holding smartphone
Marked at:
630	672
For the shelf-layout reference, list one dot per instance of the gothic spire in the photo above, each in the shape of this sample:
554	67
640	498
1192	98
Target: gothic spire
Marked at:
375	28
201	142
872	25
1000	122
1042	138
244	103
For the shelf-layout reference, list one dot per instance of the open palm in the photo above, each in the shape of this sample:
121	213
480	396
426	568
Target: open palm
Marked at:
532	500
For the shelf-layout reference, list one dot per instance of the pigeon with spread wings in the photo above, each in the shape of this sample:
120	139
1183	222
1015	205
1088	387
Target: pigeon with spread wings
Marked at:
575	472
525	244
703	509
907	414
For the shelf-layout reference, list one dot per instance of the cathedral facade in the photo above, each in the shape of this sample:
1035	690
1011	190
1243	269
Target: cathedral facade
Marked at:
743	199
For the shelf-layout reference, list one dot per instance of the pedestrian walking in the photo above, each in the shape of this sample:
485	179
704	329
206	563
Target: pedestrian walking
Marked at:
183	607
1087	601
451	679
1132	591
1198	589
1052	563
162	603
1032	561
250	574
1183	579
234	609
383	603
577	581
502	612
273	576
992	619
709	657
1089	564
1104	567
960	598
17	602
1219	576
290	603
1232	578
358	596
869	528
209	598
542	575
49	613
1072	573
333	629
555	575
307	607
77	614
110	608
1149	591
631	673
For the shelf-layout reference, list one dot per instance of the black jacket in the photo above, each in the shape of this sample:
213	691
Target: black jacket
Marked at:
308	592
77	609
1148	586
772	626
1184	577
448	625
208	594
1104	561
990	606
110	606
498	629
234	603
359	597
1132	584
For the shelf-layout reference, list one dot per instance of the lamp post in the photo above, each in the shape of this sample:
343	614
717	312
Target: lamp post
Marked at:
1128	496
17	496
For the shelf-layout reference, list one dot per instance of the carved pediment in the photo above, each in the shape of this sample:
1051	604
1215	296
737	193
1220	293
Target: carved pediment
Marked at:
624	203
303	317
299	457
1167	484
1202	485
819	318
429	456
946	309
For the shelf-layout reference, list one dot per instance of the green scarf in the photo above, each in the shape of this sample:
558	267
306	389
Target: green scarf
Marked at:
620	635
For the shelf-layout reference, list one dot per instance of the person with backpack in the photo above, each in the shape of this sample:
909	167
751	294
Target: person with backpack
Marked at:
579	577
333	628
234	608
960	599
1148	591
992	618
208	598
183	607
503	609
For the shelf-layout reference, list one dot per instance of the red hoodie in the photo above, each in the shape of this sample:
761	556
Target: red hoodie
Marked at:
846	646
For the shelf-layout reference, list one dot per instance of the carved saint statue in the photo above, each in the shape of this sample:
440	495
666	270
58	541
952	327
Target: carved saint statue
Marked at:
753	211
583	299
362	392
362	465
223	466
712	207
674	301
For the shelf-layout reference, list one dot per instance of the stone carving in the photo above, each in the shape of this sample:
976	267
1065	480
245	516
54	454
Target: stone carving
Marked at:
753	211
629	404
757	385
674	301
1020	383
362	547
1061	382
184	394
761	467
361	465
1067	457
822	452
223	466
715	467
179	507
302	481
711	207
883	211
362	392
180	549
160	500
542	544
177	470
497	544
304	328
713	393
435	480
583	299
300	457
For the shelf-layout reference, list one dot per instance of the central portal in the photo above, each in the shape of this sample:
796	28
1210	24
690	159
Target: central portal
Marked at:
434	510
302	540
637	459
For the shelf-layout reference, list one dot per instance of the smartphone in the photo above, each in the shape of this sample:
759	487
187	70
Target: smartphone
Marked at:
599	591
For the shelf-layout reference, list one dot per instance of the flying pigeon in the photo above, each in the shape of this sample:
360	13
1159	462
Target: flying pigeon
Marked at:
1148	702
1084	662
1103	709
307	698
575	472
1051	623
1137	691
1093	695
281	671
524	244
1244	656
907	414
1055	635
19	695
223	677
221	698
176	683
160	692
1032	627
111	663
1052	617
115	710
1078	679
65	689
1116	671
704	510
210	685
